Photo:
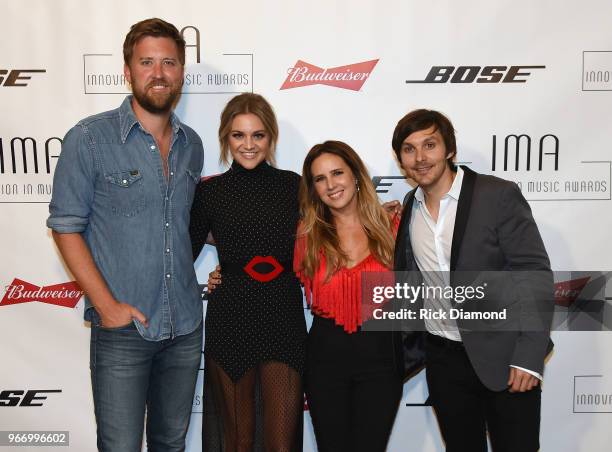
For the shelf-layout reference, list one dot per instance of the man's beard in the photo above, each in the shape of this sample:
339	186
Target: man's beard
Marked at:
156	103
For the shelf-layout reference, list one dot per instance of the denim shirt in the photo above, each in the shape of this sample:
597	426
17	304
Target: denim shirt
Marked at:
109	185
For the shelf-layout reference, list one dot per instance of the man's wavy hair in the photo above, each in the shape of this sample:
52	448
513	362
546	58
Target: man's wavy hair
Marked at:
423	119
156	28
318	226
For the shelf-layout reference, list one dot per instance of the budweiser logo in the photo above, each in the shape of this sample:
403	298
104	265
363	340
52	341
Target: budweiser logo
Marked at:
65	294
350	77
566	292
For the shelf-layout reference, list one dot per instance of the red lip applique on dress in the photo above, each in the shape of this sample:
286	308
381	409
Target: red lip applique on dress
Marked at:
263	277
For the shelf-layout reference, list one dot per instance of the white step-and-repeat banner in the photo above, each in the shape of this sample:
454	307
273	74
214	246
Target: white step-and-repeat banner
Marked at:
527	84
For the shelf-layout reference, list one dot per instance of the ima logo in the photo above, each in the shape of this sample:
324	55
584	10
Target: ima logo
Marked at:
23	397
17	77
26	149
567	292
66	294
351	76
477	74
548	147
192	44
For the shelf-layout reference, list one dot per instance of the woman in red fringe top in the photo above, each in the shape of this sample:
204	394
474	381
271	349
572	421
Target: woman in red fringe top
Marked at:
352	381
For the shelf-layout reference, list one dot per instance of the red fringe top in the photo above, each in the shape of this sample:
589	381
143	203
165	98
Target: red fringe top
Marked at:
340	298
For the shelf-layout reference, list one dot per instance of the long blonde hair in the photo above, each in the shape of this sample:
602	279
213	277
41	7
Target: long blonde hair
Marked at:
318	225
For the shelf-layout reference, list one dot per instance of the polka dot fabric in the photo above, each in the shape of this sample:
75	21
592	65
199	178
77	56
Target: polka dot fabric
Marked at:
251	213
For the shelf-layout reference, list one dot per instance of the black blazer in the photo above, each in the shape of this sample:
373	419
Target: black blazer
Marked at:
494	231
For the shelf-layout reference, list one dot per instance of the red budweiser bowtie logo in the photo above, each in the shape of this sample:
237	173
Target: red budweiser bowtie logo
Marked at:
350	77
65	294
566	292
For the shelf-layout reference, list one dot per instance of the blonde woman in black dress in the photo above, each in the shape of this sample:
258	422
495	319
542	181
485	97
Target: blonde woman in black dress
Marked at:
255	329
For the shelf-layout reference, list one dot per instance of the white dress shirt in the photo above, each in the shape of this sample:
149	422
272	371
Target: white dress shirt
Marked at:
431	244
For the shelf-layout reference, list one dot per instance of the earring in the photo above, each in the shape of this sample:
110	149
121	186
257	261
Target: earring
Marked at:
357	185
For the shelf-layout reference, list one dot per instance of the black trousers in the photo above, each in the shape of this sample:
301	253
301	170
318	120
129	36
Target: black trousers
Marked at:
352	386
466	409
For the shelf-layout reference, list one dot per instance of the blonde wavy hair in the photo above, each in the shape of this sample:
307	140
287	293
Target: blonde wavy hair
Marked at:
318	228
243	104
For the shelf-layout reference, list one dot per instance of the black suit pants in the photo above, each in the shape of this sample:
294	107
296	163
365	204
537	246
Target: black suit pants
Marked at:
353	388
466	409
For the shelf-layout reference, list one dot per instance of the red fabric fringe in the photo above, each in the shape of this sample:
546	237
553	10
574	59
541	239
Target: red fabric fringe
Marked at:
341	297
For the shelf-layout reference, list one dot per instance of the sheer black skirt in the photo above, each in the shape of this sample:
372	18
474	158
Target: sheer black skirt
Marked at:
262	411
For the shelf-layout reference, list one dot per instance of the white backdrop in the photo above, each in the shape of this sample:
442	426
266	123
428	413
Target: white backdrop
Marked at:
66	55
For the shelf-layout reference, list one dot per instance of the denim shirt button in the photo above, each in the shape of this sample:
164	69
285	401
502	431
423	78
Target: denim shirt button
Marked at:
167	225
168	275
167	250
152	147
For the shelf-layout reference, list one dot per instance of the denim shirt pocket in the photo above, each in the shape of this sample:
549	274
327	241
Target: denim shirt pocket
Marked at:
126	192
193	179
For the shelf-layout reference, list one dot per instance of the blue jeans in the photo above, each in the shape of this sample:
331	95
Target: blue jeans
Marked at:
128	374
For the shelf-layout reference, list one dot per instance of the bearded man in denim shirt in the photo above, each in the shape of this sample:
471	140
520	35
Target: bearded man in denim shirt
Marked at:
122	193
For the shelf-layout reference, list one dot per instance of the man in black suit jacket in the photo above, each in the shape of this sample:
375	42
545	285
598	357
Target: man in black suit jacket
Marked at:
458	220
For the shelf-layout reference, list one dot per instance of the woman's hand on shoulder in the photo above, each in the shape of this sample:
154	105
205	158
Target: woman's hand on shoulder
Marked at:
394	211
393	207
214	278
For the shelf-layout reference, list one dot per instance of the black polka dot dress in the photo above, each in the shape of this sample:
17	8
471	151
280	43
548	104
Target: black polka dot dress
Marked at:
251	213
